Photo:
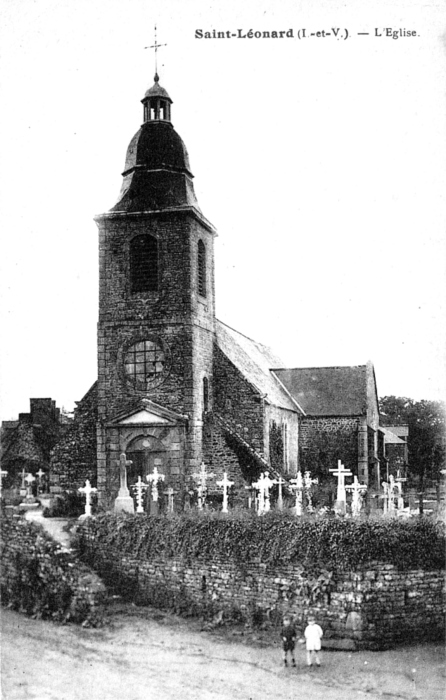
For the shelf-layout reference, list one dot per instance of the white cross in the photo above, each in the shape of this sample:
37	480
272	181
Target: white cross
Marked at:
170	494
395	490
308	483
357	490
226	484
263	485
201	477
123	464
341	472
2	474
88	490
298	484
140	487
153	479
23	478
280	483
40	474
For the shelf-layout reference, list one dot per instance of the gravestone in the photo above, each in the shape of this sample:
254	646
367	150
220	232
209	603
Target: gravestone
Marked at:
201	478
341	498
298	485
357	491
124	501
225	484
308	485
153	480
88	489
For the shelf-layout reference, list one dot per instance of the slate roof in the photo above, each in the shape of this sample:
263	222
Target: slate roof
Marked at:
327	391
254	361
390	437
399	430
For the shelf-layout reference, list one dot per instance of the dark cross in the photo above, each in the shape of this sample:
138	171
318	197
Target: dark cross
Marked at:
155	46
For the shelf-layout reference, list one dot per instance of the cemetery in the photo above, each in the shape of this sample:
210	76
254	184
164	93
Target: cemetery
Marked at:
373	579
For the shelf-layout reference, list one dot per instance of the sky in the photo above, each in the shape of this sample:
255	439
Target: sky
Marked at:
320	160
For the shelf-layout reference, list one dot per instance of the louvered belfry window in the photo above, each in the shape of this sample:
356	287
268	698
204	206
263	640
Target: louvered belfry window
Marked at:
201	269
144	264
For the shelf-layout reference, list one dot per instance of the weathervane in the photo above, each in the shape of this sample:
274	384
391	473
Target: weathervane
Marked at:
155	46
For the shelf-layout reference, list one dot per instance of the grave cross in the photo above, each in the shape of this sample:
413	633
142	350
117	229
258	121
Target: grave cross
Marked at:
123	501
153	479
259	496
140	487
29	480
263	485
226	484
201	477
88	489
341	472
308	483
170	494
399	480
2	474
123	464
357	490
23	486
280	483
298	485
394	492
40	474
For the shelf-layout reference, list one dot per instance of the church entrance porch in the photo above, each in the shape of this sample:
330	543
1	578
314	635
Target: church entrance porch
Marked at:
152	439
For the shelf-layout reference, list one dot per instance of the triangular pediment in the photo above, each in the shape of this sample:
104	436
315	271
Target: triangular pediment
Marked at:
148	413
145	417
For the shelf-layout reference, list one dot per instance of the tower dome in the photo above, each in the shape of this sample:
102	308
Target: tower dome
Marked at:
157	173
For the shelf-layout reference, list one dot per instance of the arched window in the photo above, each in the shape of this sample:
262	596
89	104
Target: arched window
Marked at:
144	264
205	394
201	269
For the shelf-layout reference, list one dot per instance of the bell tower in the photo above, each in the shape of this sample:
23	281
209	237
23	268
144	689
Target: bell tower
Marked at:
156	310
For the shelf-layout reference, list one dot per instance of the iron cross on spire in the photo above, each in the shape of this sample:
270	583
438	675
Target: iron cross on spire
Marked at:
155	46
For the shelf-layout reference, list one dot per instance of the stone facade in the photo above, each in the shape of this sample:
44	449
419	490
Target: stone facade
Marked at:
175	318
73	459
175	385
323	439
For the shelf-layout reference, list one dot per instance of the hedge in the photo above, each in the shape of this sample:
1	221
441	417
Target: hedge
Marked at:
276	538
39	577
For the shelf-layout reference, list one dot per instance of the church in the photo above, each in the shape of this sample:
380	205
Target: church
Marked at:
176	387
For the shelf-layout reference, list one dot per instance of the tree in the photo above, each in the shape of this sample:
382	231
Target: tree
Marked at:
427	425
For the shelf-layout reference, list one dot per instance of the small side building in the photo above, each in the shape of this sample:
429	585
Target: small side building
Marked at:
340	421
27	442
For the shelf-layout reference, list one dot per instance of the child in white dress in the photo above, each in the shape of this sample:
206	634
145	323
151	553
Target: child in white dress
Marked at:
313	634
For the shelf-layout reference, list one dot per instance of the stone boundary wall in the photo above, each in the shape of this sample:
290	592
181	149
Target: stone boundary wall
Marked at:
373	608
39	576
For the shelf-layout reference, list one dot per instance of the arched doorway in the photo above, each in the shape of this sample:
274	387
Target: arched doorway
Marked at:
145	453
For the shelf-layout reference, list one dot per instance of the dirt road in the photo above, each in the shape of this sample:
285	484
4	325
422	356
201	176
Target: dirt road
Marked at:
144	654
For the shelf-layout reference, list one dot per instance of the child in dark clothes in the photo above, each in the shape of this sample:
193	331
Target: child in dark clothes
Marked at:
289	640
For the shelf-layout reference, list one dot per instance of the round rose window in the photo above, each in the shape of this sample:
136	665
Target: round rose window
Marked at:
145	364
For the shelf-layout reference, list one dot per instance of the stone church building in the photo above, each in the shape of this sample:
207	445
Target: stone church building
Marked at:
176	387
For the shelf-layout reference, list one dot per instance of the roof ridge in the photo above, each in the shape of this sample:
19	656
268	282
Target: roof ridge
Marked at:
278	369
243	334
